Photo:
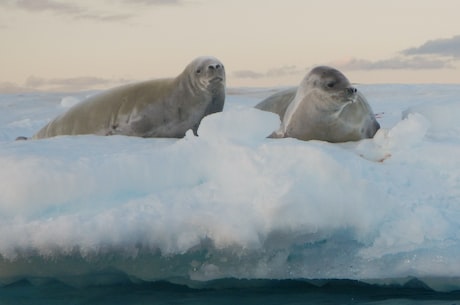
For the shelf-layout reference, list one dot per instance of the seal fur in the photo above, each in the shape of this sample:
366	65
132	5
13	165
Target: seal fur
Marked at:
155	108
324	107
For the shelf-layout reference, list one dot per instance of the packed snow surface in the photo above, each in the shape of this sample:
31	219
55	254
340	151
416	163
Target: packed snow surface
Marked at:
232	203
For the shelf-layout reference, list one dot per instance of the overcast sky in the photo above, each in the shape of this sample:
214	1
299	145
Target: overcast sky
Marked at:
86	44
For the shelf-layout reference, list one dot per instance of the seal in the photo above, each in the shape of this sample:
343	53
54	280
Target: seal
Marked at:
155	108
325	106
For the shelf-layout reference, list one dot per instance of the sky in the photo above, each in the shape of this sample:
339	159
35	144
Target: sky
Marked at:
72	45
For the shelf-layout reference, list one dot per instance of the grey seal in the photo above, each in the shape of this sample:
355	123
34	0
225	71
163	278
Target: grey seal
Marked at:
325	106
155	108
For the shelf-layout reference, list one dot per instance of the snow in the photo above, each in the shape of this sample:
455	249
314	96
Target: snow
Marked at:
231	202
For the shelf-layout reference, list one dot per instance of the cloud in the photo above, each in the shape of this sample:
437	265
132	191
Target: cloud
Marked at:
248	74
45	5
9	88
395	63
272	73
104	18
71	84
284	71
74	10
65	9
154	2
449	47
34	84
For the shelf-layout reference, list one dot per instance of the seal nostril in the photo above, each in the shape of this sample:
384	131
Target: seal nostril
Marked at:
211	67
352	90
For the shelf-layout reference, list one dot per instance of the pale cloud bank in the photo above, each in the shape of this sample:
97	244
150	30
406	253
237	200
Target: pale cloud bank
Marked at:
68	9
395	63
34	84
46	5
432	55
154	2
76	11
272	73
449	47
10	88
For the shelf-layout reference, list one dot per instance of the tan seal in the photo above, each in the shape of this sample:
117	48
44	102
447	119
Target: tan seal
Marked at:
324	107
155	108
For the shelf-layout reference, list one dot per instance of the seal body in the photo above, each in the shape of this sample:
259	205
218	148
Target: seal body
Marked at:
278	102
324	107
155	108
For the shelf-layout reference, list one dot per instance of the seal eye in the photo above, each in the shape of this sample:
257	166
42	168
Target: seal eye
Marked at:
330	85
198	71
